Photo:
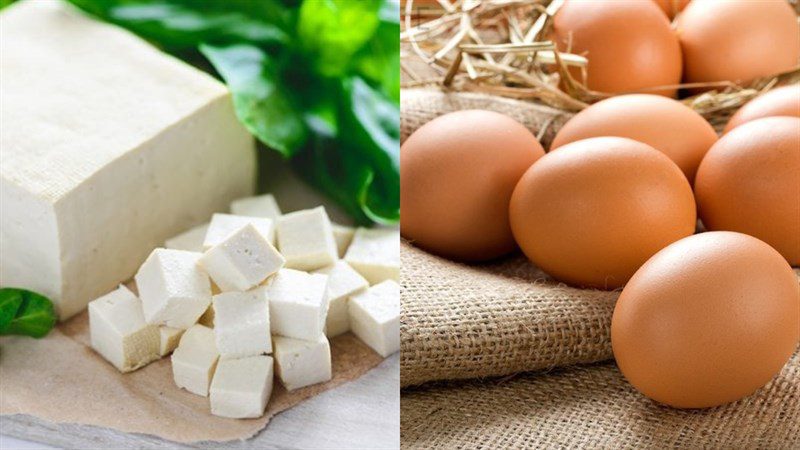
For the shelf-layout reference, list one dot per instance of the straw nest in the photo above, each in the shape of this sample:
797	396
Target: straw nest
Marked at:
500	47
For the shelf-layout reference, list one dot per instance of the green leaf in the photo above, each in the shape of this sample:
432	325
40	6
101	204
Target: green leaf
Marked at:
332	31
181	25
35	315
10	301
260	100
379	60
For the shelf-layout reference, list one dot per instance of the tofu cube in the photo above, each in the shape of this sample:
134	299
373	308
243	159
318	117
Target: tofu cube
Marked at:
343	236
242	261
223	226
241	387
297	304
258	206
375	254
190	240
174	290
170	337
343	281
300	363
375	317
242	323
119	332
305	239
195	359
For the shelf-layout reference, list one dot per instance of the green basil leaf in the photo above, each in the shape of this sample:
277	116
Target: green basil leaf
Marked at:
34	317
379	60
261	102
332	31
10	301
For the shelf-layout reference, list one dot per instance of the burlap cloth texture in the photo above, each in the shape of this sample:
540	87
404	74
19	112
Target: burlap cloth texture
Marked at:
500	319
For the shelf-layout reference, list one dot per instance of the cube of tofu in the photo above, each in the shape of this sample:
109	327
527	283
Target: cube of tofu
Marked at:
170	337
119	332
300	363
241	387
297	304
305	239
375	254
242	260
174	290
223	226
375	317
343	281
190	240
242	323
195	359
343	236
258	206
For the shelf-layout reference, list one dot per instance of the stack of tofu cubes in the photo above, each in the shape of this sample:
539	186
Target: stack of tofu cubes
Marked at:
251	293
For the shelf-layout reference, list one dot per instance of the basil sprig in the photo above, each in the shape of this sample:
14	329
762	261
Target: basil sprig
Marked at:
26	313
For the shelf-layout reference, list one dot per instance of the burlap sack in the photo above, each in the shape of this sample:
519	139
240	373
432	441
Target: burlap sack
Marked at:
593	407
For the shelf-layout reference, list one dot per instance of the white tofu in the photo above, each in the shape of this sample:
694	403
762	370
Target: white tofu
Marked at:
258	206
195	359
375	254
119	332
300	363
297	304
241	261
170	337
305	239
241	387
190	240
242	323
343	281
222	226
174	290
375	317
109	147
343	236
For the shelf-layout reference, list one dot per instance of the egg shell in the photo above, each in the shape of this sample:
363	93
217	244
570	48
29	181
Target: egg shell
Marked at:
671	7
782	101
665	124
629	44
706	321
457	173
592	212
735	40
749	182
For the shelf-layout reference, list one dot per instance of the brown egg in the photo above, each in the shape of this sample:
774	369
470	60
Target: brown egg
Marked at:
735	40
662	123
671	7
749	182
706	321
782	101
630	45
592	212
457	173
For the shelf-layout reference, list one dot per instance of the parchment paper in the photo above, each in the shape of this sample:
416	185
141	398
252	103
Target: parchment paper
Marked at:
61	379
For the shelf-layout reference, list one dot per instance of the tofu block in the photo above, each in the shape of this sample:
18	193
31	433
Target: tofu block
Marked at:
195	359
119	332
241	261
222	226
297	304
174	290
241	387
343	281
109	147
300	363
258	206
375	254
343	236
375	317
170	337
190	240
305	239
242	323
